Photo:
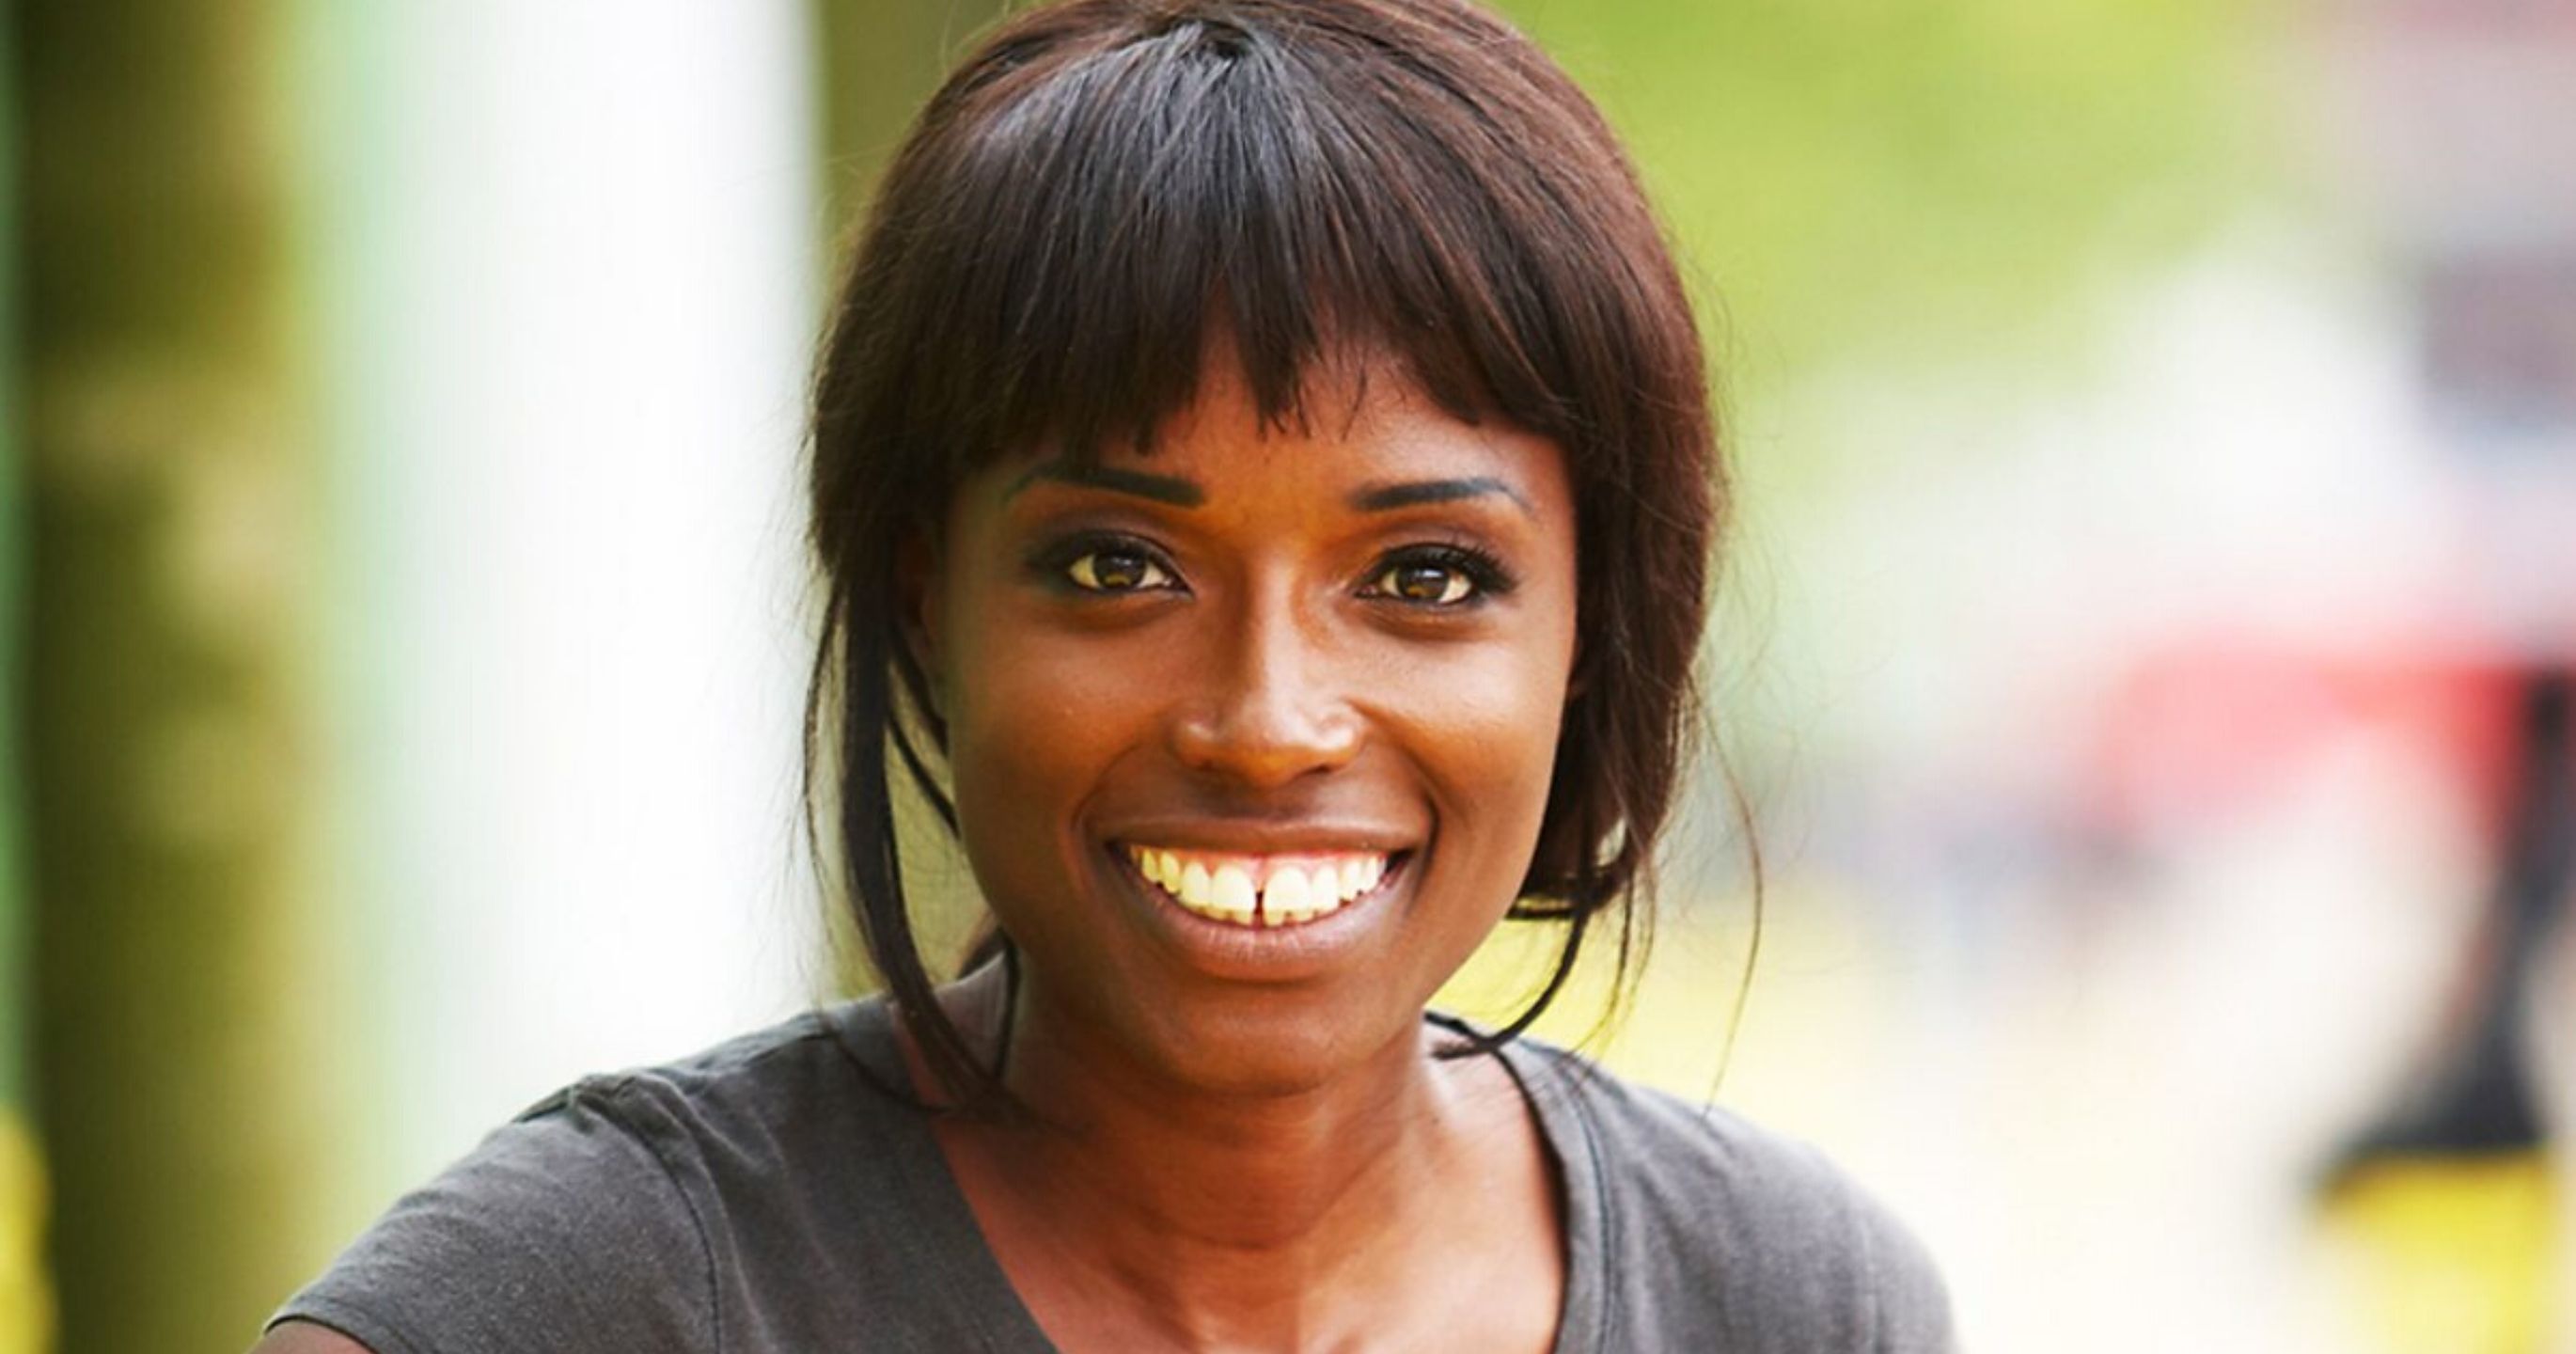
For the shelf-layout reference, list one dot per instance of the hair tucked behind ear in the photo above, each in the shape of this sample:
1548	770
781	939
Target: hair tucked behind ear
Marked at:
1099	186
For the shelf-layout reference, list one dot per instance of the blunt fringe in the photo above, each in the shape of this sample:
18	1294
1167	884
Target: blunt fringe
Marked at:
1103	186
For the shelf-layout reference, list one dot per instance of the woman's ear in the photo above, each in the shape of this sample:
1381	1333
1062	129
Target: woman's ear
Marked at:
917	596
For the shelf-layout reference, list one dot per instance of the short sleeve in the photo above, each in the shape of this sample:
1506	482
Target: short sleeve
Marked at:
562	1232
1828	1256
1711	1232
1910	1305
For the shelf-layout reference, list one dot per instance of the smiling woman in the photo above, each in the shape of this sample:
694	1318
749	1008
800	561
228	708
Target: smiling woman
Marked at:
1274	656
1264	476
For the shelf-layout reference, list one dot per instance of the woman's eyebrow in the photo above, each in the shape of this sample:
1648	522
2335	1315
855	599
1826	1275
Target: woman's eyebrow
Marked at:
1172	489
1385	497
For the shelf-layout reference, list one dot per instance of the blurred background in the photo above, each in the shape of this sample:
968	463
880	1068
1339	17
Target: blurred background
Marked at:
2146	648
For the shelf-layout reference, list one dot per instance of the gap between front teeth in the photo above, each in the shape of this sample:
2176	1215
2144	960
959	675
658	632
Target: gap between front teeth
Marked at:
1225	888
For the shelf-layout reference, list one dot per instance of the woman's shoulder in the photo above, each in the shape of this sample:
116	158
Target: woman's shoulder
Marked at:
1700	1149
565	1228
1709	1223
770	1088
608	1214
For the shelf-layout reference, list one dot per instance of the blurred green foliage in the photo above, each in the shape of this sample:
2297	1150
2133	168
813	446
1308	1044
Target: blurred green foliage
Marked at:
13	1014
24	1296
1897	180
25	1302
169	720
876	63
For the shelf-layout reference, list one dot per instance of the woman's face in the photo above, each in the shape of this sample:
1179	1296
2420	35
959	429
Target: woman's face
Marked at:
1251	735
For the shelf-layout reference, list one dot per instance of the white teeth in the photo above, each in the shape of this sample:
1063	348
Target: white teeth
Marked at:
1285	898
1231	892
1240	890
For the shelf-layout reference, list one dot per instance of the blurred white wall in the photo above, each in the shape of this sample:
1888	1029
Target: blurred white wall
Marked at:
566	303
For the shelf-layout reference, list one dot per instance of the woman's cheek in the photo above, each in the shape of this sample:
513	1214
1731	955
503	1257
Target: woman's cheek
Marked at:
1491	706
1477	725
1049	718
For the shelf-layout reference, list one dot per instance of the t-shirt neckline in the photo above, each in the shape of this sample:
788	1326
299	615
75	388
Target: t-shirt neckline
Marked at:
865	1028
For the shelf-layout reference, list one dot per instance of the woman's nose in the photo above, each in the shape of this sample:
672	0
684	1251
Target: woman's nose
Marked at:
1270	706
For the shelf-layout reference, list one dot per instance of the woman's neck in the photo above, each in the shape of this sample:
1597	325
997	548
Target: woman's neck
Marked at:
1128	1204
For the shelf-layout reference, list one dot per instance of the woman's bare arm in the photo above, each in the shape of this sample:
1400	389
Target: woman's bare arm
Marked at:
303	1337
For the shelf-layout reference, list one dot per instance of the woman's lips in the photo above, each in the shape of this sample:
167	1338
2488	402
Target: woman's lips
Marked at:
1261	890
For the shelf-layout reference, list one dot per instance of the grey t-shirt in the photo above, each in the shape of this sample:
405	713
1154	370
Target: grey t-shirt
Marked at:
772	1197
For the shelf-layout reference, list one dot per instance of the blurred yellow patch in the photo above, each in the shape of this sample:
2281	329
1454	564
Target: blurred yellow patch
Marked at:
26	1304
2452	1254
1674	1031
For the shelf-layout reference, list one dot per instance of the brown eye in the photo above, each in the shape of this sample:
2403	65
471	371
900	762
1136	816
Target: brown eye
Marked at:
1439	577
1430	584
1116	571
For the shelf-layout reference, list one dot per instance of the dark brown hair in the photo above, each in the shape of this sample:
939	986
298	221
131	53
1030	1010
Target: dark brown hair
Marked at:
1102	186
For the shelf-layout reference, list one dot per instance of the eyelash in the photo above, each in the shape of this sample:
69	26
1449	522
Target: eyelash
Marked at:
1485	575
